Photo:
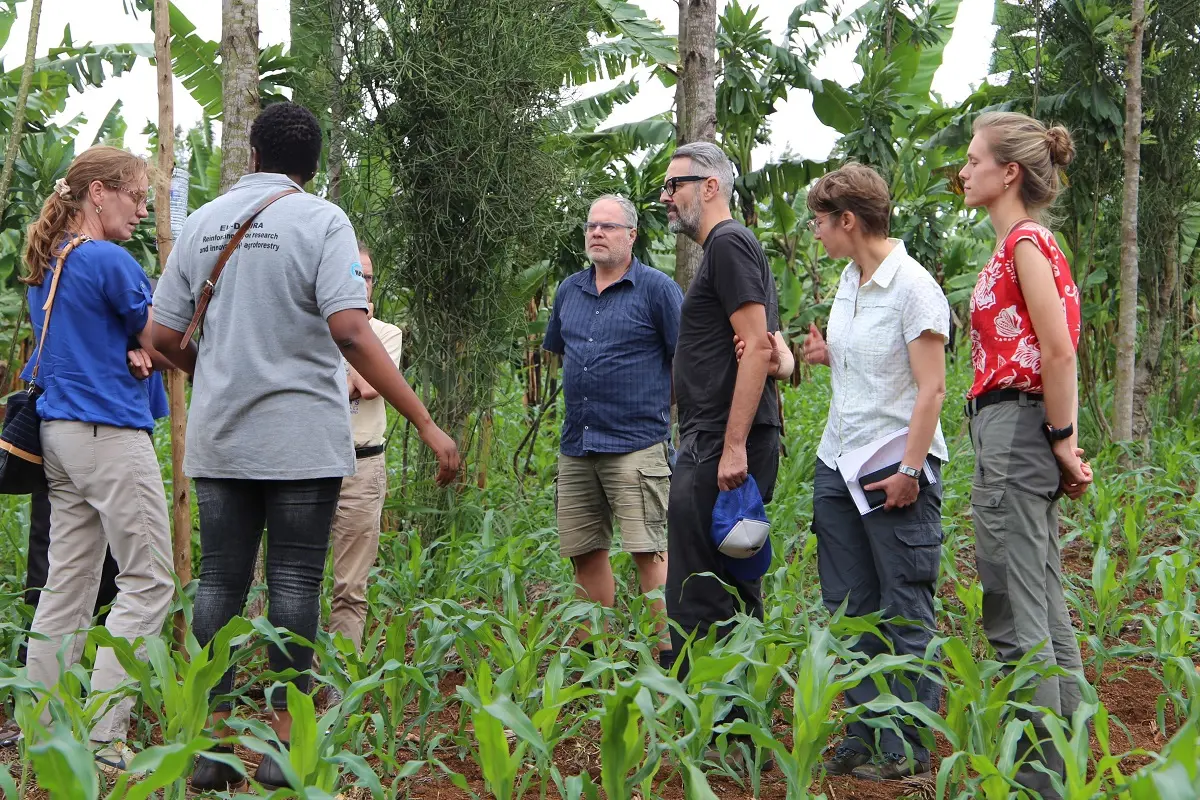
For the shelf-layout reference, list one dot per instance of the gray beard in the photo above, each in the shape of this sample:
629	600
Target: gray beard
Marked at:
685	222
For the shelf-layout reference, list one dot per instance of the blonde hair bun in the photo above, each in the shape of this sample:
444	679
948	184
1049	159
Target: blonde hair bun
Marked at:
1062	149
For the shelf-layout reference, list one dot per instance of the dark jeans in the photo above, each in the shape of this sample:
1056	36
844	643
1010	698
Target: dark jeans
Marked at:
695	601
298	516
885	561
38	563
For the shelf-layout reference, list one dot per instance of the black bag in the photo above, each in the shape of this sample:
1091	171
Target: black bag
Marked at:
21	470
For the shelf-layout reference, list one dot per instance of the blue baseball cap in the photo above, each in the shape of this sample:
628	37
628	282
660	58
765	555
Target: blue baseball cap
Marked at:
742	532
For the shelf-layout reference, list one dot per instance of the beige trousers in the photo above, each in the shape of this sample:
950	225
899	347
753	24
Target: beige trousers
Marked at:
105	489
355	545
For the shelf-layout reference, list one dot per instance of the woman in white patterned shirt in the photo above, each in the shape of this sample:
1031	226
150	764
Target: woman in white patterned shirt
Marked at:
886	349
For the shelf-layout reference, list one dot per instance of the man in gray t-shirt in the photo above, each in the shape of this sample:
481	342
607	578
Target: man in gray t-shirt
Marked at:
269	436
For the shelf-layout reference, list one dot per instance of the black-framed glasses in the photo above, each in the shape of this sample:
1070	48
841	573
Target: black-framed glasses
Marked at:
671	185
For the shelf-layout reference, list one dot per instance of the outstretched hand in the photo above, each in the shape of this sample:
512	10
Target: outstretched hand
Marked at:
814	350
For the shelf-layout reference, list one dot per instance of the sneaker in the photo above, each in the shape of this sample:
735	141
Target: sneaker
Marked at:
893	766
10	734
112	756
215	776
331	698
846	760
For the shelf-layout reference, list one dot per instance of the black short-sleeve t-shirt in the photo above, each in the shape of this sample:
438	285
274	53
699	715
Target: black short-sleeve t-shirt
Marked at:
733	272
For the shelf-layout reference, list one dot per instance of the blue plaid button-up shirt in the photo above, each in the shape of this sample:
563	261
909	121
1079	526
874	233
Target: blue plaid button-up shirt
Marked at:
617	349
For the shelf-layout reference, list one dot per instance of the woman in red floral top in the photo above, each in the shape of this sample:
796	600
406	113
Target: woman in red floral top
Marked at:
1023	407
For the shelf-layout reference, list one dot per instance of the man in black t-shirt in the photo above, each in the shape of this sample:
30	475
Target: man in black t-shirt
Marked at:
729	422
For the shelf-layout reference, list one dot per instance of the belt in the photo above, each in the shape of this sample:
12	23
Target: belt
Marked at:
367	452
977	404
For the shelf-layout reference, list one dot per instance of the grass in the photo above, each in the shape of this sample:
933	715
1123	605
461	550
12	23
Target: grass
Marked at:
469	686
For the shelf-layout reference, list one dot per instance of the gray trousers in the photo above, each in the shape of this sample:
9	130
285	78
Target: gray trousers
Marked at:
1014	502
885	561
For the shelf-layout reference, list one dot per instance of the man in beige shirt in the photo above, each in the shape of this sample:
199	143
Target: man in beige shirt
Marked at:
360	504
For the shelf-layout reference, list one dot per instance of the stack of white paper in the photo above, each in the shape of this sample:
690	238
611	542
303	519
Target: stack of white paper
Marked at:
870	457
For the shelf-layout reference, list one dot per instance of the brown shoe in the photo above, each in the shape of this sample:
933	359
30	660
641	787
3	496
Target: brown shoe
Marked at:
845	760
892	767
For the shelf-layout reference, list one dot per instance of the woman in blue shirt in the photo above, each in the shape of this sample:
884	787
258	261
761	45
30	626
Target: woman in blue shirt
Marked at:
97	413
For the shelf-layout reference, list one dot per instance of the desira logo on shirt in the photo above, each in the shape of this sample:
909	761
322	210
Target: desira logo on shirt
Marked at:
356	272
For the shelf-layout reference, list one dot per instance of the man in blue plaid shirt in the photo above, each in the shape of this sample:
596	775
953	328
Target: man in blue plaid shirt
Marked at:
615	326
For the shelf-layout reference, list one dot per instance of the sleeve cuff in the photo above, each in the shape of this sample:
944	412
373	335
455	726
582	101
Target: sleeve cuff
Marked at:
342	304
169	319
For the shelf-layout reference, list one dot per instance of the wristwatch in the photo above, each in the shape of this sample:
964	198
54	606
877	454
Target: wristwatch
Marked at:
1054	434
911	472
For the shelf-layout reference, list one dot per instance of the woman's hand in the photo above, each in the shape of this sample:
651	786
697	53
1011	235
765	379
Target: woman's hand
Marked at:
782	360
901	490
814	350
139	363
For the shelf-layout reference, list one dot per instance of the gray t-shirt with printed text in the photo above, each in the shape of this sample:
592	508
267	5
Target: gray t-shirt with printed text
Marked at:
269	400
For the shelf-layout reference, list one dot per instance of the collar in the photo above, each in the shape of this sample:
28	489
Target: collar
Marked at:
265	179
714	230
630	276
888	267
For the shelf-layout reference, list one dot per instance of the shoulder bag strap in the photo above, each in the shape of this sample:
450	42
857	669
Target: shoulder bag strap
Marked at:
210	285
48	306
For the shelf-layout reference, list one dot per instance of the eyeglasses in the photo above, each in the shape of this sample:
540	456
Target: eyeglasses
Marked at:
606	227
814	224
140	198
369	278
671	185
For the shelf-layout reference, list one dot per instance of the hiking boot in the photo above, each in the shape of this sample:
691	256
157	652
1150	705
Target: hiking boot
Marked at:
270	773
215	776
845	760
893	766
737	758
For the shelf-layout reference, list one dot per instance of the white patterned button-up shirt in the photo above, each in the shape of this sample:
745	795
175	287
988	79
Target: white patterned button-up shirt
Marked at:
870	327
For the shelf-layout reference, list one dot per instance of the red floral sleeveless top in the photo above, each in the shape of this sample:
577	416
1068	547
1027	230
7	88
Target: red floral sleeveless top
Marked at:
1004	349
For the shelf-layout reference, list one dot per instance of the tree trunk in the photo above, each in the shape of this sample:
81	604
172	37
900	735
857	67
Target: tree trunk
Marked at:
239	92
181	502
1127	313
695	103
337	137
18	122
239	107
1158	313
10	161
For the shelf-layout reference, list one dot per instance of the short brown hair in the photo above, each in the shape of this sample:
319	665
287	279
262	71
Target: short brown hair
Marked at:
855	188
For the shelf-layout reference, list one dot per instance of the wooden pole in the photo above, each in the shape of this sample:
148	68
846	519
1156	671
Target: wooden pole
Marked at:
181	504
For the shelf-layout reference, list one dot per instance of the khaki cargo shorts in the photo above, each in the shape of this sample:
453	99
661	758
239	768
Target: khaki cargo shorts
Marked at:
591	490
